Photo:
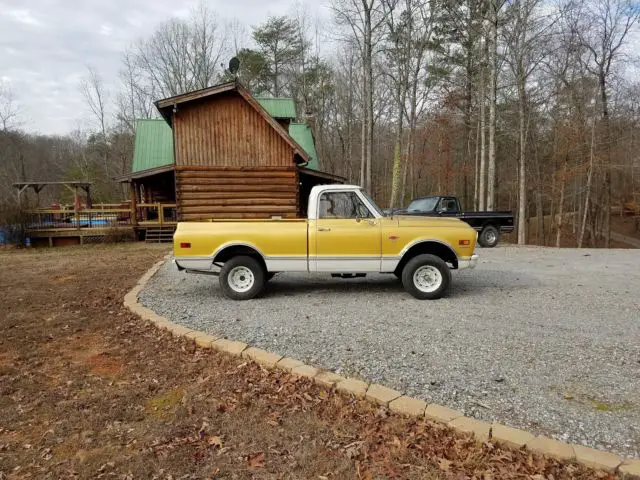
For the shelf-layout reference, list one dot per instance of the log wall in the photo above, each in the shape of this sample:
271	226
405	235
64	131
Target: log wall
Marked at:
226	130
236	192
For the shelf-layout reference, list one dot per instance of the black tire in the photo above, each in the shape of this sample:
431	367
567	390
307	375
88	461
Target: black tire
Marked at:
233	283
489	237
409	279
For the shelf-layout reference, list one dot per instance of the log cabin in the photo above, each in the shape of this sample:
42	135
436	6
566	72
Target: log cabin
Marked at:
222	153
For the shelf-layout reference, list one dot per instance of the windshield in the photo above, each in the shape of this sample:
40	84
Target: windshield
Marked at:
423	204
373	204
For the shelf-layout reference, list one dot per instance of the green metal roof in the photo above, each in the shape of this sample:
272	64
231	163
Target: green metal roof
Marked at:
278	107
153	145
301	133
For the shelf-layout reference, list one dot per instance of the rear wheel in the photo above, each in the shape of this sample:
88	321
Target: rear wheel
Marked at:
489	236
426	277
242	278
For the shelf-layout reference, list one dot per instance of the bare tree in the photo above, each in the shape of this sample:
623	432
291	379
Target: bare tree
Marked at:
135	98
605	31
494	10
527	43
181	55
97	97
482	170
9	112
365	19
208	45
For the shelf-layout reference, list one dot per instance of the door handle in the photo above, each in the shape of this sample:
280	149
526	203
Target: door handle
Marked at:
324	229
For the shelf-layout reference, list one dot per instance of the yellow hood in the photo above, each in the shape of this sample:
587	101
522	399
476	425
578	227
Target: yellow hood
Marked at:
417	221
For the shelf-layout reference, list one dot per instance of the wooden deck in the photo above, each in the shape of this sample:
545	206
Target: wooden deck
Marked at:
66	225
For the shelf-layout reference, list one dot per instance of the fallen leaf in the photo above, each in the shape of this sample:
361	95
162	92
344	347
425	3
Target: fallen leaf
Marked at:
445	465
215	441
256	460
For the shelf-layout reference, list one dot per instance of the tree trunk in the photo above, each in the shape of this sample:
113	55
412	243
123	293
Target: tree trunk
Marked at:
396	170
607	170
493	73
363	153
587	193
482	194
522	168
368	96
563	181
539	205
476	168
467	123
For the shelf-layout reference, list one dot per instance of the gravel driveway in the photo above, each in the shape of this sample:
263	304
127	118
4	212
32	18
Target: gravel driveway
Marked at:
541	339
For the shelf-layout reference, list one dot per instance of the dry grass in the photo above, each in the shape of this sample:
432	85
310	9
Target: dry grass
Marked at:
89	391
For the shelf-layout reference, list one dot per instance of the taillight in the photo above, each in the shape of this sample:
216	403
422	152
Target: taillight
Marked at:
185	245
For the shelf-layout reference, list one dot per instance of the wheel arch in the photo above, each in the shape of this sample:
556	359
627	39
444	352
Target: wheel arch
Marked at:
433	247
490	223
227	251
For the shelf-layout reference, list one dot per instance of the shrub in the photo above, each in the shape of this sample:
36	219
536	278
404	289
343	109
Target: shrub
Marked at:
116	235
13	225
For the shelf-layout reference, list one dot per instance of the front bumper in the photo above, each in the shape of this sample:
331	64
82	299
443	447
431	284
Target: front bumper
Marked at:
468	262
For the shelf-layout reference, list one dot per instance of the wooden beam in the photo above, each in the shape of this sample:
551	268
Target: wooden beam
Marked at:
237	181
248	194
238	188
247	202
237	174
196	168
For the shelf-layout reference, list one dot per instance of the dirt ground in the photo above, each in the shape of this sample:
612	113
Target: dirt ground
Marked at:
87	390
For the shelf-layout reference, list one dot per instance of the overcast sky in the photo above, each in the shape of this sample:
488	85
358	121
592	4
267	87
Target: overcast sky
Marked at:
46	45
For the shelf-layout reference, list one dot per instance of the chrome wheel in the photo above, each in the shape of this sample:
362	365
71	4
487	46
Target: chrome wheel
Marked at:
490	236
427	278
241	279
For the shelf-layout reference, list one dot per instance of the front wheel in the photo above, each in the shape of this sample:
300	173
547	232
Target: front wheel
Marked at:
489	237
426	277
242	278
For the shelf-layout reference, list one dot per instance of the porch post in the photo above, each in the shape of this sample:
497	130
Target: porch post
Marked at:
134	204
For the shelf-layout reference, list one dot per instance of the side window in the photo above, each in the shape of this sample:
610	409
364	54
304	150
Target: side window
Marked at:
342	205
448	205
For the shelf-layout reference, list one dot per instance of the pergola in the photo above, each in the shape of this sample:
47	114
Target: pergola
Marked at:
73	185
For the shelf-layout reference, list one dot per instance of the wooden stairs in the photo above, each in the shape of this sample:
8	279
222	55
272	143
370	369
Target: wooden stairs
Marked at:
159	234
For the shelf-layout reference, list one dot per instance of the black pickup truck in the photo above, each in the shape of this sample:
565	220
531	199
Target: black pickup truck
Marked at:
488	224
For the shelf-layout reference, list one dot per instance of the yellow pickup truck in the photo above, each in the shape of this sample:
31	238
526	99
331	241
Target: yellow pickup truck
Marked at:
346	234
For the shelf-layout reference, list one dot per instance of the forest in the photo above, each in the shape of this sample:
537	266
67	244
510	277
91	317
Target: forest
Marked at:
525	105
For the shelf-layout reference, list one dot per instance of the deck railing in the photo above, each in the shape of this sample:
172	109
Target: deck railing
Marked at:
156	213
104	216
54	219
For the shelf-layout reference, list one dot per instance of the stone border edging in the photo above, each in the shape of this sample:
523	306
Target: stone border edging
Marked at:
381	395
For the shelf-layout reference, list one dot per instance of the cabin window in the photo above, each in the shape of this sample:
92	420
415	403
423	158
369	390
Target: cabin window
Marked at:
342	205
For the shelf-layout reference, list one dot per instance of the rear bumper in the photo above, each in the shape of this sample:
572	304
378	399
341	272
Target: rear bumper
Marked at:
468	262
507	228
